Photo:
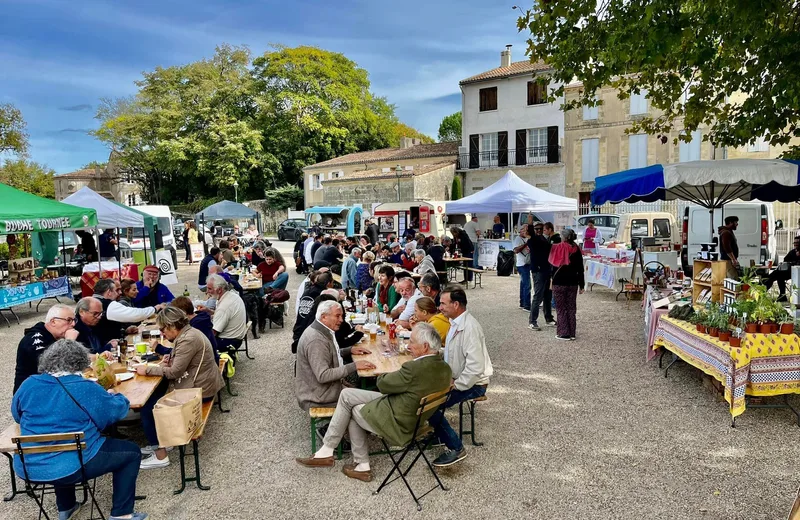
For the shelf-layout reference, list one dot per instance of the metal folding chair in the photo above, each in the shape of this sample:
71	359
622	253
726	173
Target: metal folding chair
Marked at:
426	404
72	441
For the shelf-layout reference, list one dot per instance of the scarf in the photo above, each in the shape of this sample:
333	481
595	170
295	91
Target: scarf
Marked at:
383	294
560	253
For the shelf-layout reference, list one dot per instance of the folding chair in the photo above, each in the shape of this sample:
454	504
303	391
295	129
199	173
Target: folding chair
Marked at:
431	402
246	349
72	441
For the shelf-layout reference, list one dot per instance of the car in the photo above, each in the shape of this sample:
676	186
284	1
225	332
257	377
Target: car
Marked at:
606	223
292	228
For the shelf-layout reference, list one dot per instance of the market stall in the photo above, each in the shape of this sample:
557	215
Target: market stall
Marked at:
39	220
225	210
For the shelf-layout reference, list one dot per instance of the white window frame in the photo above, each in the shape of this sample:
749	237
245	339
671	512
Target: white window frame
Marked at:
639	103
759	145
537	145
590	113
690	151
318	181
637	151
488	149
590	157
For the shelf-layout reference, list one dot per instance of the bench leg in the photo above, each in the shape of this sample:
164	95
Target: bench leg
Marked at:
10	496
196	478
219	402
313	436
471	431
247	348
228	387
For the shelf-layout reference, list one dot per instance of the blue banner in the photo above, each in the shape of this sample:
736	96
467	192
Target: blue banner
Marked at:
12	296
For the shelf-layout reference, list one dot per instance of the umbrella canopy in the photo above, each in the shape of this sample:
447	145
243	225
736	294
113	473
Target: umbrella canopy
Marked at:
710	184
511	194
226	209
109	213
22	212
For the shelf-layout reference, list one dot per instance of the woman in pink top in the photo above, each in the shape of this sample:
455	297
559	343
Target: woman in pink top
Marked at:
591	236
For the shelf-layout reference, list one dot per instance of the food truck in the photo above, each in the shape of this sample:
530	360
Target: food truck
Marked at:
426	217
332	220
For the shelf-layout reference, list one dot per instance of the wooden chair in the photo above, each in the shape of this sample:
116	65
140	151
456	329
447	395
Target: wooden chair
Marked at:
420	440
60	442
246	350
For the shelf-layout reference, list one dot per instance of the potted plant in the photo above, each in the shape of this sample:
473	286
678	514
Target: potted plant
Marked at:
699	318
735	341
712	320
749	277
724	327
744	308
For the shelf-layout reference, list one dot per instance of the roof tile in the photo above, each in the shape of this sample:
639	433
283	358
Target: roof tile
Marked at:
392	154
516	69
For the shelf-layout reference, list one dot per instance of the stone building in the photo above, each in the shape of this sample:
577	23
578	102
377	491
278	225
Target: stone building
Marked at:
425	173
106	181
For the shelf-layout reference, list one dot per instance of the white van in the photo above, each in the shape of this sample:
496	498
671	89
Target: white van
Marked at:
755	234
136	239
657	224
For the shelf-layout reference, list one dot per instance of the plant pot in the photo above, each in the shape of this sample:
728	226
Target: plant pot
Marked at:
775	327
745	287
724	335
713	332
751	328
787	328
701	328
765	328
736	342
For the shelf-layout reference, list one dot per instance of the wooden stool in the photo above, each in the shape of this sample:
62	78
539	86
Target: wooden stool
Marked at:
471	412
321	413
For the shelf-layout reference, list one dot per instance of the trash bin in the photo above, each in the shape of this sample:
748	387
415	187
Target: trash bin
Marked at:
505	263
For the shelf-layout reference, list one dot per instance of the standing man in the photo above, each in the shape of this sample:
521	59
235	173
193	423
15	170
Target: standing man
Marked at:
498	229
371	231
58	324
539	248
108	243
522	255
349	268
728	246
473	231
465	351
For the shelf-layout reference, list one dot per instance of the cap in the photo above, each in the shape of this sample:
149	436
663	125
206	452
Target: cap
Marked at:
152	268
395	244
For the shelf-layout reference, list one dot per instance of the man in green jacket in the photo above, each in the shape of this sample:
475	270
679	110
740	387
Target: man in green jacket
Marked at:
390	413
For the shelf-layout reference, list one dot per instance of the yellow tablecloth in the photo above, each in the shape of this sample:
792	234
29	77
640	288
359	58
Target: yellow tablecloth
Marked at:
764	365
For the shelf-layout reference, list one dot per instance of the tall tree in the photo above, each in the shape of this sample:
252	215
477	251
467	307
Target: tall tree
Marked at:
13	137
450	128
733	66
28	176
91	165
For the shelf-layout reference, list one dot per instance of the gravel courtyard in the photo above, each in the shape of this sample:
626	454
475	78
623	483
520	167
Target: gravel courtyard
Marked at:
584	430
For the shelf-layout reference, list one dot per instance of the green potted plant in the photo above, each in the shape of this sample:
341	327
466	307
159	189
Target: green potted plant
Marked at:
724	327
749	277
712	321
744	309
699	318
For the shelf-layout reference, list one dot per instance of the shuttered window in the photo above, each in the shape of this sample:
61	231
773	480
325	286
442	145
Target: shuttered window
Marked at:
590	159
537	93
488	99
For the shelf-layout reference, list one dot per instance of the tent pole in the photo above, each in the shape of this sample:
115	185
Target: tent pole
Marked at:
64	254
119	254
99	260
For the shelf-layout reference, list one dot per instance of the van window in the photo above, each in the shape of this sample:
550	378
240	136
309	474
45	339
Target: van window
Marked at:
661	228
639	227
163	226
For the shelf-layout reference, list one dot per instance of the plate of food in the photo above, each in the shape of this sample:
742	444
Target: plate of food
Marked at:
124	376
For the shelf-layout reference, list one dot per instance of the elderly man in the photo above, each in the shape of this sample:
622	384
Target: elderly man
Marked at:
410	296
322	281
349	269
214	257
230	315
429	286
320	368
58	324
424	262
117	316
396	257
392	411
466	353
404	286
151	290
88	314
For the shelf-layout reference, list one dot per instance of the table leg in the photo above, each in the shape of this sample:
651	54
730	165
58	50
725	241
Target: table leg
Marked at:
13	314
10	496
8	323
675	359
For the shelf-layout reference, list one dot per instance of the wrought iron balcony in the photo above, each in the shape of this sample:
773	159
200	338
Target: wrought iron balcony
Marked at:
514	157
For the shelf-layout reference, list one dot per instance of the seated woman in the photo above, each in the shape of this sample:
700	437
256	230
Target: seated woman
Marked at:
384	289
128	291
200	320
365	278
273	270
60	400
407	258
425	311
190	365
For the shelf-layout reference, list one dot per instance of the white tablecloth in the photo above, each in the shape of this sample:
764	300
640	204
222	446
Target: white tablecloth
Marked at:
608	275
612	252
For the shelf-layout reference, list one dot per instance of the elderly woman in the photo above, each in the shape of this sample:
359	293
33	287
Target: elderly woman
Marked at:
425	311
424	262
407	257
257	256
60	400
191	365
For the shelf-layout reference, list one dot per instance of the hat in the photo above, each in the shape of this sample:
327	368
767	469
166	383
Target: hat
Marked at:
395	244
152	268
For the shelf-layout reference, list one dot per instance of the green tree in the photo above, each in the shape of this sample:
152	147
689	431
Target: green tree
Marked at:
94	164
450	128
28	176
284	197
732	66
455	190
13	137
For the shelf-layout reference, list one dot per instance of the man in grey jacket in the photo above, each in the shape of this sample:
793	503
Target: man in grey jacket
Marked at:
465	351
320	368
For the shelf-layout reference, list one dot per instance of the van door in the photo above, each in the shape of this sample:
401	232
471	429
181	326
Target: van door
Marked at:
748	234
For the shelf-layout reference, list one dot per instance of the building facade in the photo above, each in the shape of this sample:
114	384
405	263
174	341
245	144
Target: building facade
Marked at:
107	181
507	123
425	173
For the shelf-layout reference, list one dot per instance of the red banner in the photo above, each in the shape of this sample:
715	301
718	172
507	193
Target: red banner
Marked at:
424	219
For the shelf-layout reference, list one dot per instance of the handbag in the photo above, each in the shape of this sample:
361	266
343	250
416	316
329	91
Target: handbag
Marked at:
554	275
179	413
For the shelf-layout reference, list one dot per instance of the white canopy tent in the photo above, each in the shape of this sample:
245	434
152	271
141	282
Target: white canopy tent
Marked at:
511	194
109	214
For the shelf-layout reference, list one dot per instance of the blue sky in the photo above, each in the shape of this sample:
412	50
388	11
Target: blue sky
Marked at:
60	57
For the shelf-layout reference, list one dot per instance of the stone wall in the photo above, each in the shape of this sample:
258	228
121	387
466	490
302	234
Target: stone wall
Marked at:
367	191
435	185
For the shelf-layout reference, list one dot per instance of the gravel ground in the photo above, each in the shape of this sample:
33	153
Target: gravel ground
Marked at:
584	429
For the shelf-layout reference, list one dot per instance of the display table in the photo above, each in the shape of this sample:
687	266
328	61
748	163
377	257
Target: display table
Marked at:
608	275
764	365
651	318
614	253
91	274
34	291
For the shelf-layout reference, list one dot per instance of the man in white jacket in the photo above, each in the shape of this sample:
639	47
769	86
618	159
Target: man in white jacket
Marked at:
465	352
116	315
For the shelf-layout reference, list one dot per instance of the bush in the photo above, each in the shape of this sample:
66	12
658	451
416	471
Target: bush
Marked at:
3	251
455	191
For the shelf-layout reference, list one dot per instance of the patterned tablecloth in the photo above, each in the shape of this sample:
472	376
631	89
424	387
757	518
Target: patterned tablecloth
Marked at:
11	296
765	364
651	318
609	275
91	275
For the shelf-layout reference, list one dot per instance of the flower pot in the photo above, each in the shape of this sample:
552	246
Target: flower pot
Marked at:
713	332
736	342
765	328
701	328
751	328
787	328
745	287
724	335
775	327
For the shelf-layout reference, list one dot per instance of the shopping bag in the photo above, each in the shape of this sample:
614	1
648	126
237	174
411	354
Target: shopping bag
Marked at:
177	416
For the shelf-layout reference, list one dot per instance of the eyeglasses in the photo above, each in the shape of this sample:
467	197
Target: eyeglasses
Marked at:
95	314
68	320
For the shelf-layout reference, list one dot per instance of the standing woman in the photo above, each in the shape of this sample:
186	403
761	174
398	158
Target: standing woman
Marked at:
592	237
567	261
191	238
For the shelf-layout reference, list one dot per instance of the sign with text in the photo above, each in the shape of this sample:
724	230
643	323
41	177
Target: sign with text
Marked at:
487	253
424	219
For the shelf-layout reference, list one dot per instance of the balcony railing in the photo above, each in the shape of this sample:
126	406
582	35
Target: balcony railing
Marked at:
513	157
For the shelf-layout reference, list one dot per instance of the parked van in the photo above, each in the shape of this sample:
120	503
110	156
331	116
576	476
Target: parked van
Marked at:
755	234
657	224
135	238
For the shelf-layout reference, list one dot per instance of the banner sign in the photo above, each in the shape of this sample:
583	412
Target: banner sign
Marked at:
9	226
487	253
11	296
424	219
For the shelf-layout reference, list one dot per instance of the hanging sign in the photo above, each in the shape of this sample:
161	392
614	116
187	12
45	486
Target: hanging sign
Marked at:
424	219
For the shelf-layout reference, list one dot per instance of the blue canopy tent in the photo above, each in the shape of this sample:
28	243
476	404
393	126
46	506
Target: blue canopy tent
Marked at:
226	209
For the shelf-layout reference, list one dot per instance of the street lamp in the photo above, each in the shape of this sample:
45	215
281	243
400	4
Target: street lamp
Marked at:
236	190
397	171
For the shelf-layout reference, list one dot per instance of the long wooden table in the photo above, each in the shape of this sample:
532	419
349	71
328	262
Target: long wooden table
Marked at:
139	389
383	364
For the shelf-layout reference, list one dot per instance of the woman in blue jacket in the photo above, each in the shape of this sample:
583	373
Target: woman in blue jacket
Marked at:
60	400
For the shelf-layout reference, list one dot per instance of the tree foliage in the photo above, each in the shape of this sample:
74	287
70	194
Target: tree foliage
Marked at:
28	176
733	66
287	196
13	137
455	189
193	130
450	128
91	165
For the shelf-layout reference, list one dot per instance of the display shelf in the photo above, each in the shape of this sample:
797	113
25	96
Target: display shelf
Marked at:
719	271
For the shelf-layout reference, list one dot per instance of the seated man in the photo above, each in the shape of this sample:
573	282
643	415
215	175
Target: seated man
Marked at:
227	254
784	273
396	256
273	270
322	281
58	324
88	314
151	290
468	358
320	368
392	411
214	257
410	294
211	303
429	286
116	316
230	316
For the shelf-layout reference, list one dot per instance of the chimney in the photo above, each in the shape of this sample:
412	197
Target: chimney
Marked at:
505	57
408	142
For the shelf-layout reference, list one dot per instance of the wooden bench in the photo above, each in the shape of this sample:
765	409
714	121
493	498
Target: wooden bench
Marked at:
476	276
246	349
321	413
8	448
471	432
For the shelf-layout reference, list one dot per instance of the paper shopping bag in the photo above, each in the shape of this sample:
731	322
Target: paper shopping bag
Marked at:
177	416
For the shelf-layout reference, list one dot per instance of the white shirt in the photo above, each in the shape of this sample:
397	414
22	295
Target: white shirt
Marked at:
409	310
472	229
452	332
230	317
307	252
300	291
402	301
335	343
522	256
